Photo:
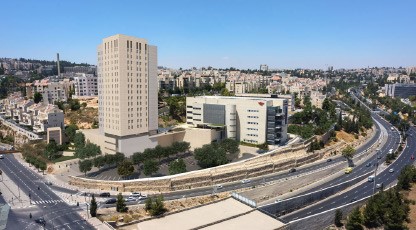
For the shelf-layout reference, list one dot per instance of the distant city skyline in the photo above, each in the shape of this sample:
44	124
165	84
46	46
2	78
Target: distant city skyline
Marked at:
221	34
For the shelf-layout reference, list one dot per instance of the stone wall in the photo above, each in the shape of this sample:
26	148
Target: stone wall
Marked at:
274	161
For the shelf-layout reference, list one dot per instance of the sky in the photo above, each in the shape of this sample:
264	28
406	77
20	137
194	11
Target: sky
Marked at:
219	33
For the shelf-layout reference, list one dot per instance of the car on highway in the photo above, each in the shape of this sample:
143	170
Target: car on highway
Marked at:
348	170
371	178
245	181
136	194
329	160
219	186
378	156
412	157
105	194
40	220
1	156
368	165
379	185
142	197
391	170
292	170
353	200
110	201
131	199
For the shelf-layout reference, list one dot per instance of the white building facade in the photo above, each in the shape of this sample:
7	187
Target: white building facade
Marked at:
251	120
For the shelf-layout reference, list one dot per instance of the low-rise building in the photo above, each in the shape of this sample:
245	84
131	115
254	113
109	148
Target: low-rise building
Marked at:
246	119
50	116
85	85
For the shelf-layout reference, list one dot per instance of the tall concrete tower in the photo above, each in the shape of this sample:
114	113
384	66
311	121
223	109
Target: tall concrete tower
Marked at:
59	67
127	92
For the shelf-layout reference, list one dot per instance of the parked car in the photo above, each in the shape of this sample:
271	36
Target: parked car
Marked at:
105	194
219	186
40	220
292	170
47	182
329	160
245	181
278	200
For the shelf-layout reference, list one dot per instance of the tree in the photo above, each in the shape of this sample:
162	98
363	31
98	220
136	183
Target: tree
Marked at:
79	140
70	131
99	161
338	218
125	168
119	157
158	206
121	205
355	220
51	150
210	156
230	146
148	204
93	207
150	167
85	166
225	92
406	177
177	166
348	152
37	97
138	158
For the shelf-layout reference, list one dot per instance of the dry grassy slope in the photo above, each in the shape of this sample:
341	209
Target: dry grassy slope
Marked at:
83	118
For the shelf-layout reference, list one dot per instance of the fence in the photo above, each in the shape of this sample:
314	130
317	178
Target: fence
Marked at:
244	200
289	205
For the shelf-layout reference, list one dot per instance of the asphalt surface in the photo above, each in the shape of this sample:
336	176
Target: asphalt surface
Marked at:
385	177
45	203
365	189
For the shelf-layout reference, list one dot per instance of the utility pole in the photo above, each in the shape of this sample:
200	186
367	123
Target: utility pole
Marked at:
375	175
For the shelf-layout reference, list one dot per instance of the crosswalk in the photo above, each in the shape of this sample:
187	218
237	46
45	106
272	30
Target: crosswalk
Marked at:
47	201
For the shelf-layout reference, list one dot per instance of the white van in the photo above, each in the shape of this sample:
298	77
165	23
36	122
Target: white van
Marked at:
390	151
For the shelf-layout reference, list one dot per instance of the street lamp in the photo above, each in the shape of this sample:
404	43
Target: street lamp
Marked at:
375	175
87	210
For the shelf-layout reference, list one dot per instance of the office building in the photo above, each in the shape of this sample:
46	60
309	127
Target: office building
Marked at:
264	67
400	90
127	94
248	119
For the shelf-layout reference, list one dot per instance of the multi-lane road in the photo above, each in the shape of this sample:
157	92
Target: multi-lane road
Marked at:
44	202
365	189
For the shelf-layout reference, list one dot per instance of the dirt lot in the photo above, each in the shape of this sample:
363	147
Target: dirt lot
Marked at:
138	213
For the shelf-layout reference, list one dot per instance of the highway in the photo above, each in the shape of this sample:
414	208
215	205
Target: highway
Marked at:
392	142
45	203
362	190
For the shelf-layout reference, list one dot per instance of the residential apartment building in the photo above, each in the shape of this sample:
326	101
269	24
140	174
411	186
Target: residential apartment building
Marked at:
127	92
51	91
400	90
38	116
247	119
85	85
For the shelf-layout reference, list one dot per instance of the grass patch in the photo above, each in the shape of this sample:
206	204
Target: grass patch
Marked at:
63	158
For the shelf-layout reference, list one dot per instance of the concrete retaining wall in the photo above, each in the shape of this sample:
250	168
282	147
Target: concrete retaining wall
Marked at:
274	161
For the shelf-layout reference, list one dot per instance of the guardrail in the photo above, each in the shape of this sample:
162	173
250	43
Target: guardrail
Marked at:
288	205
